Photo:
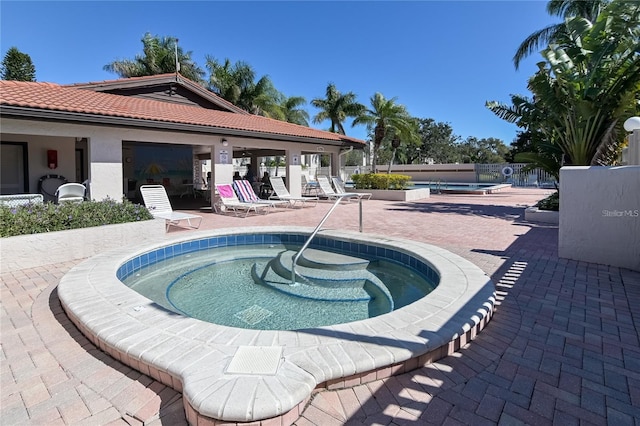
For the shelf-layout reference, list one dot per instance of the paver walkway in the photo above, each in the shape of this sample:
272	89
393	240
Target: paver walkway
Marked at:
563	347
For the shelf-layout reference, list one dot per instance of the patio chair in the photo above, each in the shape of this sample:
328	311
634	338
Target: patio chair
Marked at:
70	193
246	194
230	201
339	187
309	185
328	191
157	202
282	193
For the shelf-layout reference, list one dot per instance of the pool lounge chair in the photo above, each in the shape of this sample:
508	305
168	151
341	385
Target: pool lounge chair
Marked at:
282	193
327	190
339	187
157	202
309	185
230	201
246	194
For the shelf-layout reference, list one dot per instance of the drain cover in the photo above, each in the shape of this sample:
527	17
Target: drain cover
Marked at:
255	360
253	315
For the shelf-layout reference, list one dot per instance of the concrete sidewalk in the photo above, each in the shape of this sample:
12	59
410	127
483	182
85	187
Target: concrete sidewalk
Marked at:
562	347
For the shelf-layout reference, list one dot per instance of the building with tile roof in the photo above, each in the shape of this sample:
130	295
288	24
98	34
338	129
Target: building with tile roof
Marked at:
110	132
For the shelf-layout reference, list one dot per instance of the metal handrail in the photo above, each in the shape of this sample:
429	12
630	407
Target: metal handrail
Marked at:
315	231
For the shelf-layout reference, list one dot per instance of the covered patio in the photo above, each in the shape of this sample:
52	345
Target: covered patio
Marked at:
110	133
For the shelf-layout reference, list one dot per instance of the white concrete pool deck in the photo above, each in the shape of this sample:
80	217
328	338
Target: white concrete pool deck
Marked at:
195	357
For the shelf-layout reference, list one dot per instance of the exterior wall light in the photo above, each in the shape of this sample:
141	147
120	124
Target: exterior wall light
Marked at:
632	125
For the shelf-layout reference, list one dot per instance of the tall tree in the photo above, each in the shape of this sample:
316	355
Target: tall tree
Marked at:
237	84
292	111
17	66
336	107
588	84
390	124
588	9
439	143
483	151
158	57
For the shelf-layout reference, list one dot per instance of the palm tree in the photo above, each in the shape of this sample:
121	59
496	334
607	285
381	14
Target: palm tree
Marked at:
588	9
159	57
236	83
292	111
588	84
336	107
390	123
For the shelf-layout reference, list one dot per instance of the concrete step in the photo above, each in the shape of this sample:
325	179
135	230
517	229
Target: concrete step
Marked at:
315	280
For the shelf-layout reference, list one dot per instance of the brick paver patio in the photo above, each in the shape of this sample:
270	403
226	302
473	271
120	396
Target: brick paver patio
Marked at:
561	349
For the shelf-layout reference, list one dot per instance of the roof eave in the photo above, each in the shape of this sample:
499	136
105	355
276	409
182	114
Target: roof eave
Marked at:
11	111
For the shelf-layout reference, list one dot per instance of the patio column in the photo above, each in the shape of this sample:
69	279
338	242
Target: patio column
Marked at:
294	172
221	165
105	168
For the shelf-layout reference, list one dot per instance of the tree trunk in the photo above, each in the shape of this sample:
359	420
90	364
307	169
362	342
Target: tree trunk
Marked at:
393	155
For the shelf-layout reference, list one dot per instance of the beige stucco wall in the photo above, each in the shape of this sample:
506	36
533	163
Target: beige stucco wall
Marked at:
431	172
600	215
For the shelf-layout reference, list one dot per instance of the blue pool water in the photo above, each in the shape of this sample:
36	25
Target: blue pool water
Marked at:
212	280
460	188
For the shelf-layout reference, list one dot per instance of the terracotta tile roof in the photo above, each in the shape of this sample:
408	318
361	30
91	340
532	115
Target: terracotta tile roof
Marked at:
54	97
150	80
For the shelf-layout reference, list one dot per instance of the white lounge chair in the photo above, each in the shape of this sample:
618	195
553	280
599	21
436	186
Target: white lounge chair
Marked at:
282	193
339	187
246	194
328	191
157	202
70	193
309	185
230	201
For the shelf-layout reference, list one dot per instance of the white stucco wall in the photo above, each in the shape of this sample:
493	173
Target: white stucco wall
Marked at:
37	148
600	215
104	148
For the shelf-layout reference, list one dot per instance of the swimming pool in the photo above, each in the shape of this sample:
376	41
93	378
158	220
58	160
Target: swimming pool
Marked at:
244	375
444	187
250	283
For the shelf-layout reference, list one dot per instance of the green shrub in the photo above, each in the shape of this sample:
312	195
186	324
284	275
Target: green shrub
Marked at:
380	181
552	202
47	217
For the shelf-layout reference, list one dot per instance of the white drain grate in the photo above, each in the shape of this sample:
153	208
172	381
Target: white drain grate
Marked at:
255	360
253	315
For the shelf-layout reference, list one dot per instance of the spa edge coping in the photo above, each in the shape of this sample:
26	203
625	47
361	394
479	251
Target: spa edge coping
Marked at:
192	356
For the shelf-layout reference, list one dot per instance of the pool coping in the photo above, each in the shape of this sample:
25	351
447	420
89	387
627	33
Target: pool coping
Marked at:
192	356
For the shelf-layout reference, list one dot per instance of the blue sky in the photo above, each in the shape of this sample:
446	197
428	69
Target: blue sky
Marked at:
441	59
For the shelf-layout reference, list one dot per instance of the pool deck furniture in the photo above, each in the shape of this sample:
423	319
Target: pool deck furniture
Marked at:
231	202
339	187
282	193
309	186
326	190
157	202
70	193
246	194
